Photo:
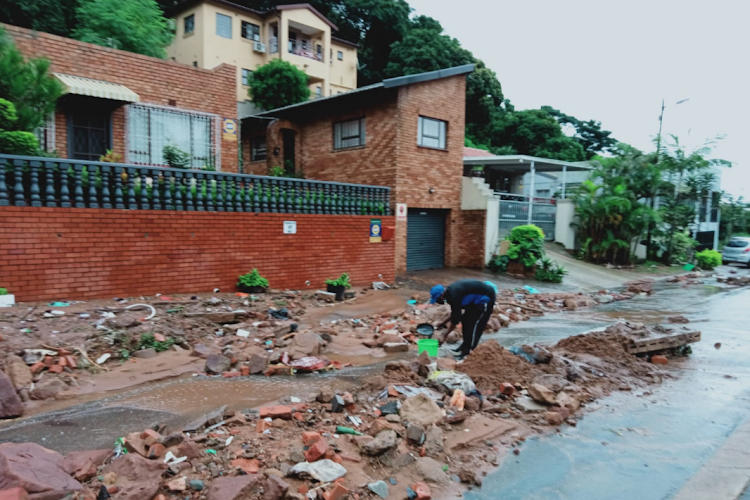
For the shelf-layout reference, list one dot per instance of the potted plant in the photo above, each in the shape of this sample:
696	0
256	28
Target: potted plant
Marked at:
6	299
252	282
339	286
525	250
477	171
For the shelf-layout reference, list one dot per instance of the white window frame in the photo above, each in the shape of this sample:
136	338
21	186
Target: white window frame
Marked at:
339	138
255	36
214	145
428	139
220	16
245	77
258	153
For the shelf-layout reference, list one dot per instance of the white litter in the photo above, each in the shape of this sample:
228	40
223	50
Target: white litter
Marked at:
104	357
153	310
323	470
243	333
229	440
294	399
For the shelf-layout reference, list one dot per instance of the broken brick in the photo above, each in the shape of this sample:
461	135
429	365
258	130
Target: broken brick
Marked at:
14	494
392	392
49	360
156	451
316	451
659	360
283	412
262	425
507	389
230	374
422	490
37	367
337	493
245	371
55	369
303	489
62	361
248	465
72	363
150	433
309	437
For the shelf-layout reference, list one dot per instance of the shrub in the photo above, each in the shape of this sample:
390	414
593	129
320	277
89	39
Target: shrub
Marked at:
18	143
342	280
682	244
498	264
253	278
148	341
550	271
8	116
708	259
175	157
526	244
111	157
3	291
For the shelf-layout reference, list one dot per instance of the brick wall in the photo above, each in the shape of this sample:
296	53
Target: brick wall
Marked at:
423	169
469	246
58	253
156	81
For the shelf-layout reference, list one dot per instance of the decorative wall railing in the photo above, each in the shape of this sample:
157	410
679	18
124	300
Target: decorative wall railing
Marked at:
54	182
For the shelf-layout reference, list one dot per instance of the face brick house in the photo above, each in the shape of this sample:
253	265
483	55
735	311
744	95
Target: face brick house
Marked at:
134	105
406	133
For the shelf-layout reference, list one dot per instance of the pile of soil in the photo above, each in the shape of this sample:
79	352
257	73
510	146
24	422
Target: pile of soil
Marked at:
489	365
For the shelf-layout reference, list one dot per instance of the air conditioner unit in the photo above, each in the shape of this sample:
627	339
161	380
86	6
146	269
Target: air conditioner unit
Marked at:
259	47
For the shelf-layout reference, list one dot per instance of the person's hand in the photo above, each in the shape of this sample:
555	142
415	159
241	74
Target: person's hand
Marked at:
437	325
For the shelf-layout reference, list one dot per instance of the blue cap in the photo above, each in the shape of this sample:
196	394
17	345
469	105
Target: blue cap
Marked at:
436	292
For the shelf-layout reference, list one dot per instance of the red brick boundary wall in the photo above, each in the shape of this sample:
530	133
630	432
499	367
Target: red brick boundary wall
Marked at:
73	253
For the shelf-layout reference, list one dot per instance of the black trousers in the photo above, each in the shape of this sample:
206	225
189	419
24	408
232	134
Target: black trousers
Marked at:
474	321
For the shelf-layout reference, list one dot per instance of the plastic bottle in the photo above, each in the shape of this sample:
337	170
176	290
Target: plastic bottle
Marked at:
347	430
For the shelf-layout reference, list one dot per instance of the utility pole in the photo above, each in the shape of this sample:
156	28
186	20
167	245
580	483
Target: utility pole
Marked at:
651	225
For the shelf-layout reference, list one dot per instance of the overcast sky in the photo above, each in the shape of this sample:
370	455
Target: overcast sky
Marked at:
615	61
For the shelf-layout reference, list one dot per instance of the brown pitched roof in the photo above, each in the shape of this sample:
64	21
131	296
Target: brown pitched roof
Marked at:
311	8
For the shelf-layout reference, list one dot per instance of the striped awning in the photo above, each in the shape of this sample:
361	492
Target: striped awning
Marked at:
96	88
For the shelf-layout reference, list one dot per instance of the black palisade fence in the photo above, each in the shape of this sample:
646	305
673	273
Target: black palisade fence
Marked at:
55	182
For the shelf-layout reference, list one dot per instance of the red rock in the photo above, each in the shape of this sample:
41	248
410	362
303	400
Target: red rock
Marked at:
245	371
49	360
137	477
14	494
77	460
188	449
392	392
10	404
71	361
150	433
303	489
316	451
34	469
337	493
507	389
37	367
309	437
283	412
156	451
351	458
422	490
134	444
275	488
159	337
230	374
232	488
262	426
299	417
553	418
55	369
160	497
659	360
337	458
62	361
249	466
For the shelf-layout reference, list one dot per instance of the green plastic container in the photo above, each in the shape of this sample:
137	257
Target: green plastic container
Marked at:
429	345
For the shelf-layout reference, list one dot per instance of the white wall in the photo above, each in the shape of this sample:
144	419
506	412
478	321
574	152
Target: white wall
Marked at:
477	195
565	233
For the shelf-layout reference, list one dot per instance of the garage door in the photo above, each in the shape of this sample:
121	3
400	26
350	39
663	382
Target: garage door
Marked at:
425	240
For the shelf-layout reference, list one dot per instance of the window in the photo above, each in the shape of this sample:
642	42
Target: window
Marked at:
340	56
246	75
431	133
258	150
320	52
223	25
319	91
189	24
46	134
250	31
349	134
543	193
151	128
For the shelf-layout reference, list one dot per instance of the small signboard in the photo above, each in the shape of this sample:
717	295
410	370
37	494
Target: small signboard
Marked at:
401	211
290	227
376	231
229	129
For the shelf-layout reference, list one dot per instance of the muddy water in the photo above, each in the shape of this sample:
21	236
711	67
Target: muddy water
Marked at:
97	423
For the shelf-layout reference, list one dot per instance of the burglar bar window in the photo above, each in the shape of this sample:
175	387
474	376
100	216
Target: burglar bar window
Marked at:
431	133
223	25
349	134
250	31
258	151
150	129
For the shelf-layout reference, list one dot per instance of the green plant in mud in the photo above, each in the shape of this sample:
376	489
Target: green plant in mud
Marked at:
708	259
342	280
498	264
253	278
526	244
148	341
550	271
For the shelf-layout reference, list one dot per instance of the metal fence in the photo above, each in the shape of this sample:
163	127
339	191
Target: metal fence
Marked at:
517	210
53	182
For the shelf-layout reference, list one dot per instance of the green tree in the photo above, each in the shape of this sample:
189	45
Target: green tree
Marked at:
589	134
277	84
532	132
13	141
50	16
26	84
425	50
133	25
735	217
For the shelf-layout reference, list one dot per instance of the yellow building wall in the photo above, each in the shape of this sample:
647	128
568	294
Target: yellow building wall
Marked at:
189	48
343	73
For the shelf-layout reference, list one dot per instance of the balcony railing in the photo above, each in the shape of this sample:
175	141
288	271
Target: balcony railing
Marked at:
54	182
297	48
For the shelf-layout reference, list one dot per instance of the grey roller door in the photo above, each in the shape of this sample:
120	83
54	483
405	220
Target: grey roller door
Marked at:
425	240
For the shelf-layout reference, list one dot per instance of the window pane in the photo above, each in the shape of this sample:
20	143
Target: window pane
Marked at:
349	134
189	23
223	25
431	133
259	149
430	128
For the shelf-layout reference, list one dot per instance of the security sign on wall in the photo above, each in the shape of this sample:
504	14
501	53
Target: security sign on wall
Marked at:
290	227
229	129
376	231
401	211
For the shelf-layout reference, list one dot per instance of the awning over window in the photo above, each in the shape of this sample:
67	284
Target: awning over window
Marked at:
97	88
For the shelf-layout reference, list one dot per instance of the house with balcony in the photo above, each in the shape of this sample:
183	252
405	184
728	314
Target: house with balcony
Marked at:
214	32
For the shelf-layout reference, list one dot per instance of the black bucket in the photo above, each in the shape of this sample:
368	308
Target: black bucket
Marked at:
425	330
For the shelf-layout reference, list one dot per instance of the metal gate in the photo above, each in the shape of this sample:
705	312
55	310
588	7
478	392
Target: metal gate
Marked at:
514	211
425	240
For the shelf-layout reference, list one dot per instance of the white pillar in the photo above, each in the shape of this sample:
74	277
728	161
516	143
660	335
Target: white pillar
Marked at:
531	191
716	231
565	179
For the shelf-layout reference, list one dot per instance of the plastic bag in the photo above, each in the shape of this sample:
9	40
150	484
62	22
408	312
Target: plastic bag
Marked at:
454	380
